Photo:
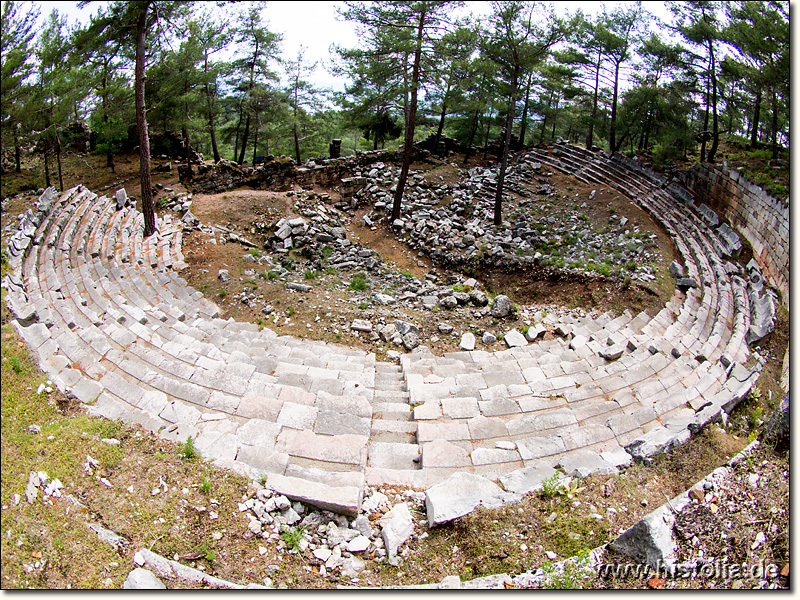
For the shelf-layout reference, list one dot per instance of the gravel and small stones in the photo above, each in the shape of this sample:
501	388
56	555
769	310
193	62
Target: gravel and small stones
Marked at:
298	250
452	223
333	542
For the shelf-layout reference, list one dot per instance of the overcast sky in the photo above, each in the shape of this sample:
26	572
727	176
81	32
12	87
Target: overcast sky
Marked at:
314	24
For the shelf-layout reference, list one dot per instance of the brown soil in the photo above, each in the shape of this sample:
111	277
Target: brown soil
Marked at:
536	288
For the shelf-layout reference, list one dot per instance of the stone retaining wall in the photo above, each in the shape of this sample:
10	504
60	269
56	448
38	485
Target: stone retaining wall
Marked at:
762	219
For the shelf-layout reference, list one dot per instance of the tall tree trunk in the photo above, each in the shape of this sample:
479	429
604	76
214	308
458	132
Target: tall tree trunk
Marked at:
58	161
612	137
17	150
46	166
256	129
621	142
255	145
296	142
544	120
212	132
488	131
245	135
141	122
188	149
210	102
756	120
544	128
524	126
498	197
406	104
412	117
594	103
472	133
440	128
555	120
238	127
774	124
705	128
715	119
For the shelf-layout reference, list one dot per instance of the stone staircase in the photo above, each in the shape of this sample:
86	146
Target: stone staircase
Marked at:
115	326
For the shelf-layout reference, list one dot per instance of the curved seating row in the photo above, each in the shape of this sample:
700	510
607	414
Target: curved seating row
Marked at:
118	328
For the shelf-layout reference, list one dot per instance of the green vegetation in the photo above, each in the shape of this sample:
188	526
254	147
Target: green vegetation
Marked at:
358	283
550	486
291	537
572	575
187	449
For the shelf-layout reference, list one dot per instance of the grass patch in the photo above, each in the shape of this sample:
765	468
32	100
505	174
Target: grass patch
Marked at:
187	450
292	536
358	284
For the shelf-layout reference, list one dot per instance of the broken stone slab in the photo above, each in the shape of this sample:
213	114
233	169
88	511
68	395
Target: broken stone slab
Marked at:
535	332
584	463
361	325
502	306
410	340
385	299
650	540
730	239
398	526
478	298
467	342
617	457
171	569
528	479
121	197
460	494
577	342
404	327
142	579
612	352
656	441
515	339
762	316
344	500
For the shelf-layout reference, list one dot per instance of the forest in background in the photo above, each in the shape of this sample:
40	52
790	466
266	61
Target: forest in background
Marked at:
213	75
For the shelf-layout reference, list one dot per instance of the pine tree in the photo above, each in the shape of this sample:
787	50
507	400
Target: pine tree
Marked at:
759	34
258	48
18	31
399	38
517	42
130	23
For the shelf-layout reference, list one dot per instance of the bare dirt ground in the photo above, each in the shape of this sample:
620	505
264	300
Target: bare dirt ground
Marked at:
303	315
